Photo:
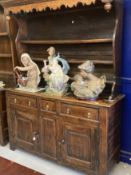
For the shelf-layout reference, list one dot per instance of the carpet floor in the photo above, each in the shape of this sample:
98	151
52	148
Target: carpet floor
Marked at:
48	167
11	168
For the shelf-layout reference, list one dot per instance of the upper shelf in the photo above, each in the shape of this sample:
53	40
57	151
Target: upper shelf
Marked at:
104	40
3	34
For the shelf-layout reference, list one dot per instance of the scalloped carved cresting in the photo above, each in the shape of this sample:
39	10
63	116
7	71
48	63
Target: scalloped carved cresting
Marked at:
52	4
43	5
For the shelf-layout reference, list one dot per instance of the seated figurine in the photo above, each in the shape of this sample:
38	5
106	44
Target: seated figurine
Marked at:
54	74
32	79
86	85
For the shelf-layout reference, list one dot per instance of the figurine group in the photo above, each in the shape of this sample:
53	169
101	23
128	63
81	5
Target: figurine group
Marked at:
85	84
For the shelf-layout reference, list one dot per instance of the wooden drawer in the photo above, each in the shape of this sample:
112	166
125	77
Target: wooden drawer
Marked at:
22	101
79	111
48	105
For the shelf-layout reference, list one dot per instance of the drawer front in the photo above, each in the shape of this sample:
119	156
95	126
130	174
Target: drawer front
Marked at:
22	101
48	105
79	111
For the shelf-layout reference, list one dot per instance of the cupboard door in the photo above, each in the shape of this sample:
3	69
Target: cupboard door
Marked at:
48	135
79	145
25	129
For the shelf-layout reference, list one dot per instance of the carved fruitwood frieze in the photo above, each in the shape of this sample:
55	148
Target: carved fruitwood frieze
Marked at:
28	6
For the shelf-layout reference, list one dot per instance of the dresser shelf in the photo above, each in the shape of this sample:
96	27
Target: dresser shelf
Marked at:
88	41
3	34
8	57
75	61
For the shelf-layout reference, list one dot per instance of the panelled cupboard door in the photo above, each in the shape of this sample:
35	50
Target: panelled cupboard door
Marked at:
79	145
48	136
25	128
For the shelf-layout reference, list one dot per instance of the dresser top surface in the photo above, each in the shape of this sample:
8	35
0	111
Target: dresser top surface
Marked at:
97	103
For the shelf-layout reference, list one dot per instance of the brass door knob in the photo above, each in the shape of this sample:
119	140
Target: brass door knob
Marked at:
63	141
29	103
35	137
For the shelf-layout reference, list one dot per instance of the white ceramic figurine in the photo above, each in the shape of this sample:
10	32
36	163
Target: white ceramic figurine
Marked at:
54	74
86	85
32	78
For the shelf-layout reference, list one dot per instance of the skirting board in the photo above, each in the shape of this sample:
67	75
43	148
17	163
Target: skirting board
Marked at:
125	156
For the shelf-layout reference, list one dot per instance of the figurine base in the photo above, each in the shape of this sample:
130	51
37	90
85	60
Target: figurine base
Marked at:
87	99
109	101
29	89
55	93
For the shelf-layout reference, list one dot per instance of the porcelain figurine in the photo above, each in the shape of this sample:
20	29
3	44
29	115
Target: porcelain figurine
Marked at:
86	85
32	79
54	74
52	56
2	84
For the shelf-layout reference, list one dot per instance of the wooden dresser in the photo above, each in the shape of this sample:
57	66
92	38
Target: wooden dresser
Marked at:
80	134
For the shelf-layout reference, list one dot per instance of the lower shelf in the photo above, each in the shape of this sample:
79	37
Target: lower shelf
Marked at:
74	61
8	55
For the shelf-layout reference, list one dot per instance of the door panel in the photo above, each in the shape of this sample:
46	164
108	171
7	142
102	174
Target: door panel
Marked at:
48	135
79	145
74	145
26	129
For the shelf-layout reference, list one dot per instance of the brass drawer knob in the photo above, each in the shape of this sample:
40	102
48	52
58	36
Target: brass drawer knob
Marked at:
89	115
47	107
29	103
15	100
68	111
